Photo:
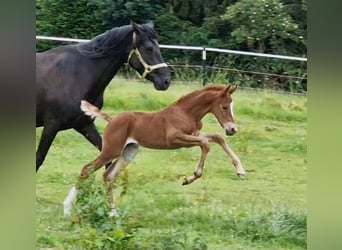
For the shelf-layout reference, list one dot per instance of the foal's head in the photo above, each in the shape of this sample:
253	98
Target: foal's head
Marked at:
223	110
146	58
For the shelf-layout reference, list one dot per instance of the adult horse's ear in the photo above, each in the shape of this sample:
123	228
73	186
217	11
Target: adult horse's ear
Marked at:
136	28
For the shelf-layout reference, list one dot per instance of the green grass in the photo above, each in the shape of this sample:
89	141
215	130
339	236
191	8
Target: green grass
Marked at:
218	211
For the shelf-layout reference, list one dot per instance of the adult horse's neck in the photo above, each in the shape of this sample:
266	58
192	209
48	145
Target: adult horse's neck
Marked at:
107	52
109	67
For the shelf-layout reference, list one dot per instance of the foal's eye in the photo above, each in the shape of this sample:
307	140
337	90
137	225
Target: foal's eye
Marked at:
225	108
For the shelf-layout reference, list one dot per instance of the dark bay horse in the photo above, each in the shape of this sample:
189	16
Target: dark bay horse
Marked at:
68	74
174	127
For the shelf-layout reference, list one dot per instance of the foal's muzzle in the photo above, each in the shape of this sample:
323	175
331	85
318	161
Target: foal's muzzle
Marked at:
231	131
230	128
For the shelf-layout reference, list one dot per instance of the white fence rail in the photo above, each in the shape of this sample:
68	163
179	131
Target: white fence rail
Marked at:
64	39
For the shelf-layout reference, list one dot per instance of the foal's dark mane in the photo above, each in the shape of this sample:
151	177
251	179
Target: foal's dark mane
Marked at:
108	43
212	87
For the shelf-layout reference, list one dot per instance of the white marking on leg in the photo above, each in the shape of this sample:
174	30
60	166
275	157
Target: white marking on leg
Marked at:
69	199
119	163
131	140
113	211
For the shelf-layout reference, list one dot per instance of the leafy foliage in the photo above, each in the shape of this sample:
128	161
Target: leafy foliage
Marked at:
64	18
91	219
263	26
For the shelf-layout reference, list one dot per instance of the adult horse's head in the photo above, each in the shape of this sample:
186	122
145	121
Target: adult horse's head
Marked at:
223	110
145	56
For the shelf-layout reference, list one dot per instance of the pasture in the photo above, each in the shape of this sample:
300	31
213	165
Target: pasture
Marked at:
267	210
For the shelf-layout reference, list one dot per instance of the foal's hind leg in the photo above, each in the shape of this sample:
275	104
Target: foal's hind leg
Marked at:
214	137
113	170
86	170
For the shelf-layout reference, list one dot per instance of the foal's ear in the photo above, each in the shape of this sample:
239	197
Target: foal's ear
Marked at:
230	89
233	88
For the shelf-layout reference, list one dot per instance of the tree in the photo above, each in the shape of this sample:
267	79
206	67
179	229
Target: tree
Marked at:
263	26
65	18
88	18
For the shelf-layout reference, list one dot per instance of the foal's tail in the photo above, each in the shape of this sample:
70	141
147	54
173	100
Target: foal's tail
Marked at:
93	112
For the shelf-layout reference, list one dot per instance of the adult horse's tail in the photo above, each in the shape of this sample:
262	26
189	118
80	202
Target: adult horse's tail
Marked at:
93	111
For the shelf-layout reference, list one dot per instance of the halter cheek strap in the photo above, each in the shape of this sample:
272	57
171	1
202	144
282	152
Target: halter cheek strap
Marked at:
148	68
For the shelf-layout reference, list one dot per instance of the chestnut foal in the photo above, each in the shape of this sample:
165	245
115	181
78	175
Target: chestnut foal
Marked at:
176	126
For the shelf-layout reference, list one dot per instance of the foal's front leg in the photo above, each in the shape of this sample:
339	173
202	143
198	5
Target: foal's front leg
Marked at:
189	141
214	137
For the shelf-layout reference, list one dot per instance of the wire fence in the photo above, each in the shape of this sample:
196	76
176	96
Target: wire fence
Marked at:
127	73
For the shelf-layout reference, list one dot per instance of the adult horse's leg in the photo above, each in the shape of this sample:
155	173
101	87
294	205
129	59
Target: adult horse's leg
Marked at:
214	137
48	135
90	132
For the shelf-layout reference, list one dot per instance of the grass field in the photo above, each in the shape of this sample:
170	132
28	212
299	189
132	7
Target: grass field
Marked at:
218	211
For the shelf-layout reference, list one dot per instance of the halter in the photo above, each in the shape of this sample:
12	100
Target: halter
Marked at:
148	68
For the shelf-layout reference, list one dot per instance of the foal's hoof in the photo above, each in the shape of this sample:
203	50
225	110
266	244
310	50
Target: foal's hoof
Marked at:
185	182
66	213
113	213
67	210
241	176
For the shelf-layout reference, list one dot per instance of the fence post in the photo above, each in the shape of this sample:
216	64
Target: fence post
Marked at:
204	70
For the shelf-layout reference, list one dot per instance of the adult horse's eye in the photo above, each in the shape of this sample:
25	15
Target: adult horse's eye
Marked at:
149	49
225	108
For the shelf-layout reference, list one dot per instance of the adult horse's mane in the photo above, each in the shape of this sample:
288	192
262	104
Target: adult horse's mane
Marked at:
195	93
108	43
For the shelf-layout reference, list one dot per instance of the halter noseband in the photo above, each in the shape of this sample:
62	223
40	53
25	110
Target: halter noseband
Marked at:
148	68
